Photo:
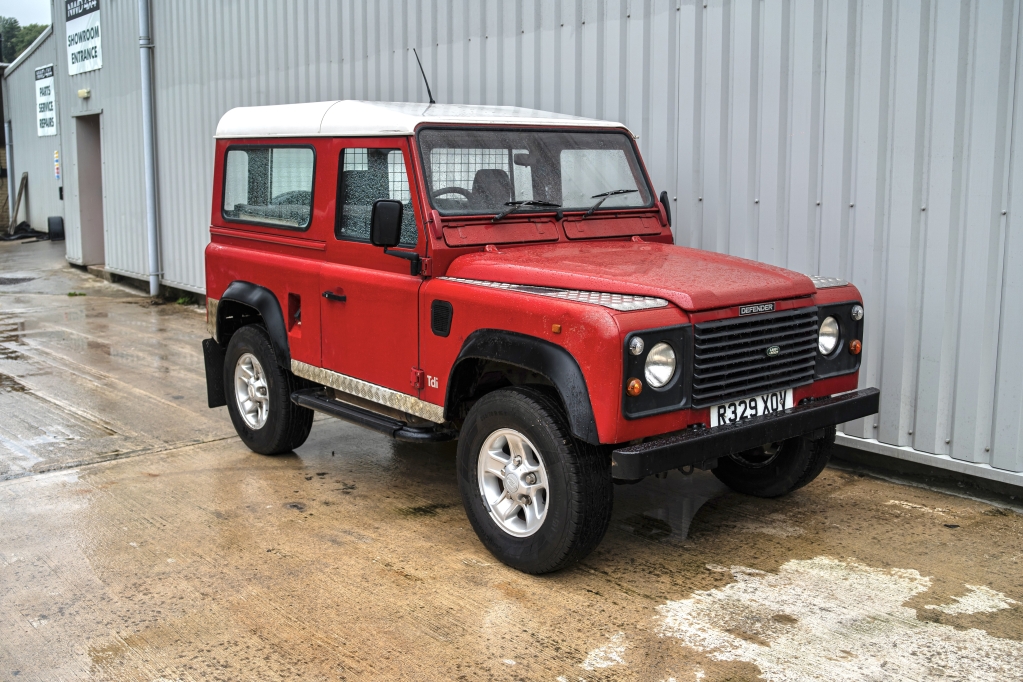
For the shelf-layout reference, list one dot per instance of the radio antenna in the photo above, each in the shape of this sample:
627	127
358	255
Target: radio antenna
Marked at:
424	76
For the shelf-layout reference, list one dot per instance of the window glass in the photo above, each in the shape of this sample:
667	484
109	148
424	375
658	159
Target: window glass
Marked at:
586	172
474	171
474	178
368	175
269	185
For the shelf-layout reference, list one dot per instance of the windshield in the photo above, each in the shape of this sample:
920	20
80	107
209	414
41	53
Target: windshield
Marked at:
469	172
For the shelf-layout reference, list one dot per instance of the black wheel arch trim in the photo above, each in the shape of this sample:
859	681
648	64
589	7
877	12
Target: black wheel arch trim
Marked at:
265	302
536	355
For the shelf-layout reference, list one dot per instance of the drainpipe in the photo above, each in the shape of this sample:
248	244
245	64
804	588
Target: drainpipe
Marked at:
9	144
149	146
9	138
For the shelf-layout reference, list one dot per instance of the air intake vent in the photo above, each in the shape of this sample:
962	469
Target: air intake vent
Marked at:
731	358
440	318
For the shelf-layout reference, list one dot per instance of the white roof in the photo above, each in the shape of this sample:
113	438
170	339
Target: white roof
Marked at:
370	119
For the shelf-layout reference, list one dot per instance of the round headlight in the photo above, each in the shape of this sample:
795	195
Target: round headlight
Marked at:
827	340
636	345
660	365
857	312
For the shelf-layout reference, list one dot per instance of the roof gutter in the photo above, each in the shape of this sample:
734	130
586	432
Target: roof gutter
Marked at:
149	146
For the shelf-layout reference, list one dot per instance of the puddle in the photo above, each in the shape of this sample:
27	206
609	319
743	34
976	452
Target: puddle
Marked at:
10	384
11	281
10	333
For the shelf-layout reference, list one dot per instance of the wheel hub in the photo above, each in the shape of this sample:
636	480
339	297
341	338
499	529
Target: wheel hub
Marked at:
513	482
250	390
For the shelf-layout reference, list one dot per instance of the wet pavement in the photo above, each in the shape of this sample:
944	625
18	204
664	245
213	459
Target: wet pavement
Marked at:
139	540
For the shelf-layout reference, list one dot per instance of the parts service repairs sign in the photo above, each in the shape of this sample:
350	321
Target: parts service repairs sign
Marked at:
84	51
46	112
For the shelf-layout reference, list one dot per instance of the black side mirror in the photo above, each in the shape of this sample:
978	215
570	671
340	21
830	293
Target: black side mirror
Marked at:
667	206
385	231
385	223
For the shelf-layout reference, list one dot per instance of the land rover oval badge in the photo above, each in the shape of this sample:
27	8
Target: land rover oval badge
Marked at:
773	351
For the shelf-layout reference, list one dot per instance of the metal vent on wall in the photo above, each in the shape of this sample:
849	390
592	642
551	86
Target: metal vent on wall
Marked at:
440	318
730	356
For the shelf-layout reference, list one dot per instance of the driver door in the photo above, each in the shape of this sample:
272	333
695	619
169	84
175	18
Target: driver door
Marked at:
372	334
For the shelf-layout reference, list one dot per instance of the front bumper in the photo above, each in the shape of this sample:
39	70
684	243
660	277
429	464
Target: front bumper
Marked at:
696	446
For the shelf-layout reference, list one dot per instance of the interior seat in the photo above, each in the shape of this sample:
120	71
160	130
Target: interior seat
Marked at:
491	188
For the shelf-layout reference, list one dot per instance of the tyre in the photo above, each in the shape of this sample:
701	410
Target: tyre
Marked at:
258	393
777	468
538	499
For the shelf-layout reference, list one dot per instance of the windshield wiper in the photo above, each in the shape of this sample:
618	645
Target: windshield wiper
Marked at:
516	205
603	196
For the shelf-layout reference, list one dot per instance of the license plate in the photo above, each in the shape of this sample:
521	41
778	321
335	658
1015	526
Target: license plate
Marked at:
747	408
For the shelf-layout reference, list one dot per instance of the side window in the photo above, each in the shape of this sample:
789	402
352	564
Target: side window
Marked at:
269	186
367	175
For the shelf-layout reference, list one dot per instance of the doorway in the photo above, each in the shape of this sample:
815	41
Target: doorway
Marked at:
90	188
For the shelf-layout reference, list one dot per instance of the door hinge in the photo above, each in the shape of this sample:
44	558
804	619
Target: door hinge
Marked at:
418	378
426	267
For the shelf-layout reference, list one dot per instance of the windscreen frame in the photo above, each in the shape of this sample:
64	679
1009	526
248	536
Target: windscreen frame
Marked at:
637	167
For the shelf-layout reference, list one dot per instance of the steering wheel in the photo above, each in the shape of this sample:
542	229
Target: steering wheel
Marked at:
438	193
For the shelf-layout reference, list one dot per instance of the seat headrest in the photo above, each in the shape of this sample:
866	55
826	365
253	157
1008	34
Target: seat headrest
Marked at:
491	187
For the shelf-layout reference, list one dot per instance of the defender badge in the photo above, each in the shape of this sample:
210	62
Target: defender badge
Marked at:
756	308
773	351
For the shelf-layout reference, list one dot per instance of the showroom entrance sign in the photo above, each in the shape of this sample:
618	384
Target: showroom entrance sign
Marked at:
84	48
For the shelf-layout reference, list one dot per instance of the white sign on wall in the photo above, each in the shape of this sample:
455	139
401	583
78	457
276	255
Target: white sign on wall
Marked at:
46	111
84	51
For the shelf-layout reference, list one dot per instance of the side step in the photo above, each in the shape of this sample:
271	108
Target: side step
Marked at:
314	399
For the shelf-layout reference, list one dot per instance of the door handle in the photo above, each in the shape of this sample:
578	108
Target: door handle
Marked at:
331	296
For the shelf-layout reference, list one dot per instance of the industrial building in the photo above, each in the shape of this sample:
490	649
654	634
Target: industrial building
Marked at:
875	141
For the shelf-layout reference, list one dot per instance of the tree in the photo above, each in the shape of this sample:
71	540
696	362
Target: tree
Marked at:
9	30
16	38
26	36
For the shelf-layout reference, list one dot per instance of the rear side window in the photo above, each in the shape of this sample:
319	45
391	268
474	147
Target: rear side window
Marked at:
368	175
269	186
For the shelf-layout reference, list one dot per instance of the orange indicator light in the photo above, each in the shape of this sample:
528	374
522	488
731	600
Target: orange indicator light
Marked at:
634	387
556	328
855	347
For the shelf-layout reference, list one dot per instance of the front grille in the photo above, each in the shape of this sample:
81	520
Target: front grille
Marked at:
730	356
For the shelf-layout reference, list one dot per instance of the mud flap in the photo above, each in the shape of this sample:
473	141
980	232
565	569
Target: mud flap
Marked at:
213	353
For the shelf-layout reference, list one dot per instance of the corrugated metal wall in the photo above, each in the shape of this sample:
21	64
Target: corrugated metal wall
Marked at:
32	153
870	140
116	97
608	59
873	141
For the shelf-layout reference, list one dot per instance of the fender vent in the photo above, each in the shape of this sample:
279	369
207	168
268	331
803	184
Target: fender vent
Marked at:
440	318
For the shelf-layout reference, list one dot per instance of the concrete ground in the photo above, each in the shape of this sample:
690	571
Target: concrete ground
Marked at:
139	540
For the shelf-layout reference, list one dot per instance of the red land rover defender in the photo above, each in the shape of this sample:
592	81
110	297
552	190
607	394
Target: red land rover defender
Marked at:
507	277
